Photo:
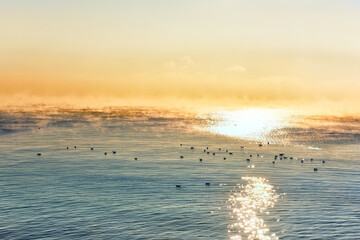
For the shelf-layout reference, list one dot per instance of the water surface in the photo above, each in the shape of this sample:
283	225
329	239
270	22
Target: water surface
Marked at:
84	194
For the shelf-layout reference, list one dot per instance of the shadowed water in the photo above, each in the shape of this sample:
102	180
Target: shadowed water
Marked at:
84	194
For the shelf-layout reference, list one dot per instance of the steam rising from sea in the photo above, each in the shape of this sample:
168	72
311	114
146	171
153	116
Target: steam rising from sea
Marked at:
264	125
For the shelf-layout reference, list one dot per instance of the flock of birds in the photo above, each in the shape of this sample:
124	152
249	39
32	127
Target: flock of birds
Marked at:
279	156
92	149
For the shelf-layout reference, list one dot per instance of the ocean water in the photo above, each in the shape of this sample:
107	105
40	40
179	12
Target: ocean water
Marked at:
79	193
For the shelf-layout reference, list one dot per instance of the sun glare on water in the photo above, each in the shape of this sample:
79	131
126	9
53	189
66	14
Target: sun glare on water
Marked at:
247	203
254	124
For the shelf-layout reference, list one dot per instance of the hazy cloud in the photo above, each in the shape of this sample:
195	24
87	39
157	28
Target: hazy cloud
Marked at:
236	68
183	63
170	65
187	60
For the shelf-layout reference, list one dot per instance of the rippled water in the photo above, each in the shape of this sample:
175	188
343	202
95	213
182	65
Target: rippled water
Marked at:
247	203
84	194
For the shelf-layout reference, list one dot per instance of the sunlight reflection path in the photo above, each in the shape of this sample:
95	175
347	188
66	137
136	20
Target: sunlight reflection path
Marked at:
246	203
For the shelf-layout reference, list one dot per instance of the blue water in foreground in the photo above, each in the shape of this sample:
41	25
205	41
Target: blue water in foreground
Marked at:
84	194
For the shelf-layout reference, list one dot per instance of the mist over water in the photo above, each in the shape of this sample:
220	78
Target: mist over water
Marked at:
285	127
79	193
277	126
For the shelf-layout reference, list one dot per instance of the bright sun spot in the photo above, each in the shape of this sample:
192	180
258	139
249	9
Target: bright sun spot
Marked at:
254	124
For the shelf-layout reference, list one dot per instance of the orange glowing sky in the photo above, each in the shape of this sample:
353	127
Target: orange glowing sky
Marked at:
212	52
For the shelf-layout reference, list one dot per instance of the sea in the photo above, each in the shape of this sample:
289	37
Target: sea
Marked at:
161	173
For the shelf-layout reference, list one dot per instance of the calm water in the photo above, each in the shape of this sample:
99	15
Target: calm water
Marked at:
84	194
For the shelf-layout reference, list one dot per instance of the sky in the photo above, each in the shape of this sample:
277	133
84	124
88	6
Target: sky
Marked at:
262	53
